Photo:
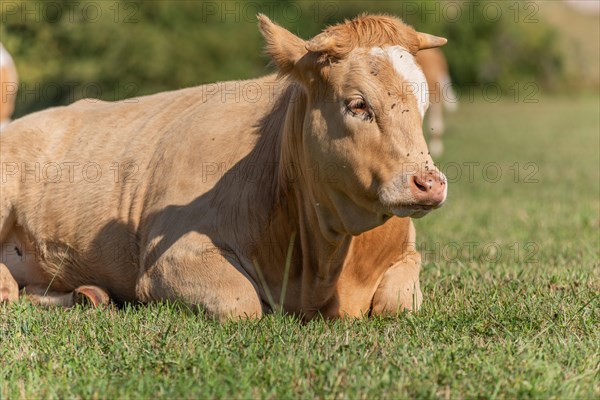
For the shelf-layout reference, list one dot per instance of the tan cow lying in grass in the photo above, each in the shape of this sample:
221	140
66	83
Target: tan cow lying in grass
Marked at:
441	95
9	82
296	194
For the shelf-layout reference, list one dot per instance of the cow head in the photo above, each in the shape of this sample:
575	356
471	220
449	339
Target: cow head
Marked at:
365	101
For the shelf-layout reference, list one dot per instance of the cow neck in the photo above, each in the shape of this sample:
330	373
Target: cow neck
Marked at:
298	208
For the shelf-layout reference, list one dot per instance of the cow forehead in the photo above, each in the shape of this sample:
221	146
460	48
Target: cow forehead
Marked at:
406	66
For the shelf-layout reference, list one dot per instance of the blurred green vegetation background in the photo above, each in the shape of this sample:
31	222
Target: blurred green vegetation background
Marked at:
115	49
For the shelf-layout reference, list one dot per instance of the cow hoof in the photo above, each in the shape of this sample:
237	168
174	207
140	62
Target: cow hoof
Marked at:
9	289
90	295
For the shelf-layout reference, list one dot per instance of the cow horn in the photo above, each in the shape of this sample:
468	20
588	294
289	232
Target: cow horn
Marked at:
427	41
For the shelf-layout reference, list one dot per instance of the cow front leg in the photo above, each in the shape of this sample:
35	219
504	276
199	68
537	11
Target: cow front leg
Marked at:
399	288
196	273
9	288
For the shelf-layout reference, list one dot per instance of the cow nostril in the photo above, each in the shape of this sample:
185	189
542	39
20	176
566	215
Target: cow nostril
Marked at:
418	184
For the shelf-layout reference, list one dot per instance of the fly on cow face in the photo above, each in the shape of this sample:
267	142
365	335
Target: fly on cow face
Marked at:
409	72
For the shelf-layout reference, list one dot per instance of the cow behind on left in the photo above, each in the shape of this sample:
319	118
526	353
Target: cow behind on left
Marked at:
9	82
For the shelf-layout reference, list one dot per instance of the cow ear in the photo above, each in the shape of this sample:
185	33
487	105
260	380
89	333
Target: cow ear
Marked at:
284	48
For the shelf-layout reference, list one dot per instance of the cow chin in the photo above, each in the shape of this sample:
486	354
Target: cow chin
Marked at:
404	212
401	204
404	202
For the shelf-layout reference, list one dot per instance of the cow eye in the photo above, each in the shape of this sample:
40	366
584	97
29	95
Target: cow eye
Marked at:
358	107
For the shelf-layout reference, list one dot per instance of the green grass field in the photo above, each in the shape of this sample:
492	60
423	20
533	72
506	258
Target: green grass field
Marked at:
511	296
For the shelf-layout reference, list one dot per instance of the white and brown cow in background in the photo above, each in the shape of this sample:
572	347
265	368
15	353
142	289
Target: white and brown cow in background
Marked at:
9	82
441	95
296	194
